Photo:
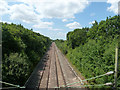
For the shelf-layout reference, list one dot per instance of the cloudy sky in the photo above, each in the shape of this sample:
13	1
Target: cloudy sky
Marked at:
54	18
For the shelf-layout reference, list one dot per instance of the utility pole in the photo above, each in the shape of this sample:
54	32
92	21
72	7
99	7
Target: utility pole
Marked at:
116	66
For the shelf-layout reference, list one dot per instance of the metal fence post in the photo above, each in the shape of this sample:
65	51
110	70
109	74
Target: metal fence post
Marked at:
116	66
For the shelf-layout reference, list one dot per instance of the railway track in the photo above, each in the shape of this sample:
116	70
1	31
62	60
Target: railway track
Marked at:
53	71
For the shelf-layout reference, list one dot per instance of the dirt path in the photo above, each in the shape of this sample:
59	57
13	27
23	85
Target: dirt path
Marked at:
53	71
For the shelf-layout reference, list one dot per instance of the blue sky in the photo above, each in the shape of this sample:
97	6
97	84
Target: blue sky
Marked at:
55	18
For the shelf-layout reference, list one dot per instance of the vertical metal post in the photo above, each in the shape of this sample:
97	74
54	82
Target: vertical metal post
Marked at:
116	53
116	66
0	55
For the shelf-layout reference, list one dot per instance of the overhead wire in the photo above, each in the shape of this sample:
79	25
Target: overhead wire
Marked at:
18	86
108	73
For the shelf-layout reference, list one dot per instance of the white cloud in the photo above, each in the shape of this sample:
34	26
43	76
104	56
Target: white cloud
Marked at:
23	13
47	25
64	20
5	22
57	35
67	20
57	8
33	11
60	8
92	22
43	25
61	34
55	29
4	8
37	31
114	6
73	25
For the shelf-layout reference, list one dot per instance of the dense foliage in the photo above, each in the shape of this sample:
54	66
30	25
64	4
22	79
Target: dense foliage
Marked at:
22	50
92	50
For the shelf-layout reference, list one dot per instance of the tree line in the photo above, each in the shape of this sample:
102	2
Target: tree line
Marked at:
92	50
22	49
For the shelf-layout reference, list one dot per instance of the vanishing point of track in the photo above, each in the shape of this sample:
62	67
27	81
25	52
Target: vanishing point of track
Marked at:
52	71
